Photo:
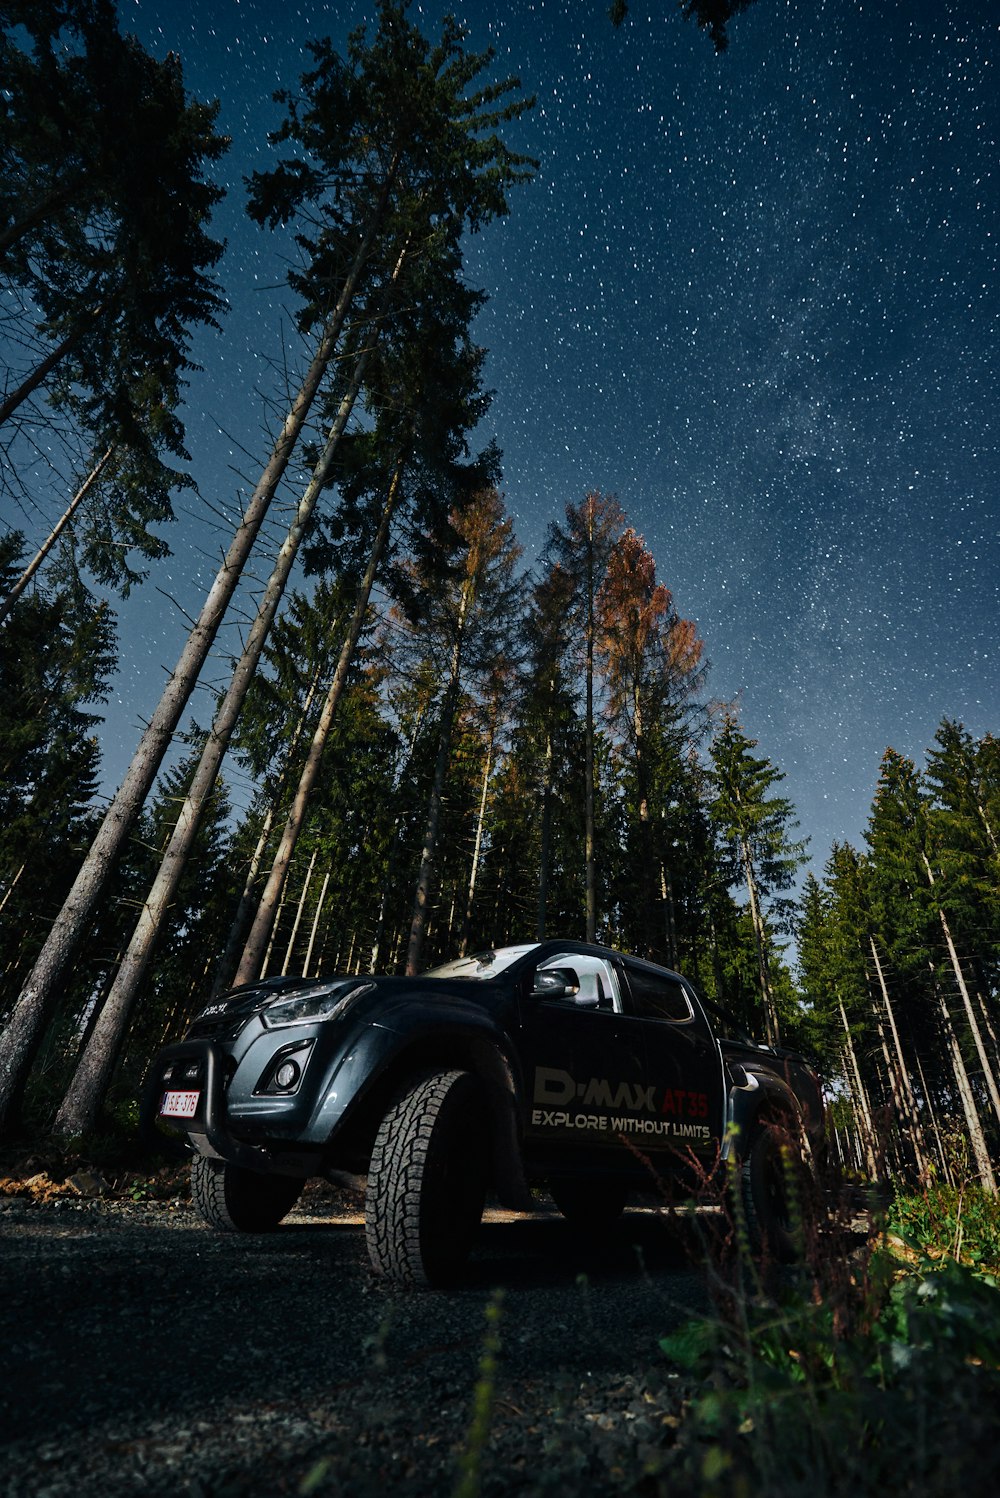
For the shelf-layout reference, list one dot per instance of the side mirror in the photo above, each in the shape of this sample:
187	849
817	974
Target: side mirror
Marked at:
555	983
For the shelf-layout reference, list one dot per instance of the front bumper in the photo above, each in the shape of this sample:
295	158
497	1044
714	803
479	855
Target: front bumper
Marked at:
208	1130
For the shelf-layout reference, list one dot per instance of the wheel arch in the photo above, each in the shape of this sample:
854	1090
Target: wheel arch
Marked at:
771	1101
422	1055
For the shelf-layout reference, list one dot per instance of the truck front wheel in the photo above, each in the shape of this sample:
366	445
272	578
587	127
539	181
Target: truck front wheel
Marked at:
234	1200
427	1180
776	1194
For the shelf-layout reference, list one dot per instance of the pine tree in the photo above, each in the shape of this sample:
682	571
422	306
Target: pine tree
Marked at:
396	138
467	623
582	547
651	660
756	827
104	206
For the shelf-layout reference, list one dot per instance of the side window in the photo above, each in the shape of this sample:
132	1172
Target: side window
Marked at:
656	996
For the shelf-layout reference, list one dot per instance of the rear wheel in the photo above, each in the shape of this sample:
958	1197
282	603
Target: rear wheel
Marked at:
776	1194
593	1204
234	1200
427	1180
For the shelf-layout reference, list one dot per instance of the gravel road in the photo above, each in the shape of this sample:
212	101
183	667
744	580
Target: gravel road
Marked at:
145	1354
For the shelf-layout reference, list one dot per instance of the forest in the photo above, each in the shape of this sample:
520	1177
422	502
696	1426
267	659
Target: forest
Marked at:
447	750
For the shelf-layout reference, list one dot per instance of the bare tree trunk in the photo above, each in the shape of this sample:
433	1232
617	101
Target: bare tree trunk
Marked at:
990	1079
589	851
315	922
942	1157
37	997
760	937
902	1090
867	1129
477	846
298	913
12	885
41	372
545	851
86	1090
976	1136
669	917
421	897
244	910
6	604
264	919
266	964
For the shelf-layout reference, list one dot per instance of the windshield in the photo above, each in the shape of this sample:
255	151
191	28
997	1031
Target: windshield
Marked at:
480	964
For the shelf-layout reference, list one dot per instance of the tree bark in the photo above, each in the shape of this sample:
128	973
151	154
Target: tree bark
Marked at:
6	604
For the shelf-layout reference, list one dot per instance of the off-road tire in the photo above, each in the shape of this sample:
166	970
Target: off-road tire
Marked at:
427	1180
590	1205
234	1200
776	1194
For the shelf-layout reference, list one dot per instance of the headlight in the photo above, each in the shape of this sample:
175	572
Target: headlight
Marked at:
326	1002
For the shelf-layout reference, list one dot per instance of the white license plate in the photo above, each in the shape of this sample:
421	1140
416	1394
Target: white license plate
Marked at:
179	1104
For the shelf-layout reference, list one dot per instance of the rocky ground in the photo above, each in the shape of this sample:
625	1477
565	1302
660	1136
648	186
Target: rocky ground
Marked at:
146	1354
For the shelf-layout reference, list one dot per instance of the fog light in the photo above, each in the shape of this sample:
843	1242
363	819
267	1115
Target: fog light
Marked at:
287	1074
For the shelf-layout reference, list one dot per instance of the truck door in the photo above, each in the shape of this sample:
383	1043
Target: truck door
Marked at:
584	1060
683	1066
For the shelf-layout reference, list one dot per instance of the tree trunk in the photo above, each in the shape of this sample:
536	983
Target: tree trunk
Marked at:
315	922
263	922
6	604
545	851
864	1109
41	372
589	854
56	197
244	911
421	896
976	1136
86	1091
760	937
477	847
939	1142
904	1091
298	913
990	1079
38	996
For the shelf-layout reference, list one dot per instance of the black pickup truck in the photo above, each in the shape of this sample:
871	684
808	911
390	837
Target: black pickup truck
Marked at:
558	1063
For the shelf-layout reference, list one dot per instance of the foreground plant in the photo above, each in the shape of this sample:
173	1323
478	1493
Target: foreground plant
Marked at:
861	1372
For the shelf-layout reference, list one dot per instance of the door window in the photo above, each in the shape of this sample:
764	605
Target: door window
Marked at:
655	995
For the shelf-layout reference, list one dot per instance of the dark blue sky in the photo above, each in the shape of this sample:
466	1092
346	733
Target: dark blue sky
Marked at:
754	295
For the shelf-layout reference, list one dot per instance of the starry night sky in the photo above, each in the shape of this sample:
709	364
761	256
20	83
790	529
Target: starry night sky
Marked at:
754	295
